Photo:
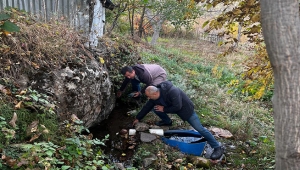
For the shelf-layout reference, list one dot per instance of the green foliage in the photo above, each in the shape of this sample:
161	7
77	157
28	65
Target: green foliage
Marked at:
64	149
33	99
7	25
256	83
140	154
178	13
164	155
35	107
247	13
258	76
125	54
7	134
76	152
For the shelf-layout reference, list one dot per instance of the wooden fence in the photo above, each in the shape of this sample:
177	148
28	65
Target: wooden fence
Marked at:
214	38
47	9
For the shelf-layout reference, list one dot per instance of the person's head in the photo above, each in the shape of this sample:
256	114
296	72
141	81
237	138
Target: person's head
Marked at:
152	92
128	72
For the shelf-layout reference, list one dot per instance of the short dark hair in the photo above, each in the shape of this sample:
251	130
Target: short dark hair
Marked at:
126	69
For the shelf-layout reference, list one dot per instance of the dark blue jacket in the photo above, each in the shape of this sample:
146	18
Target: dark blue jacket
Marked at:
176	102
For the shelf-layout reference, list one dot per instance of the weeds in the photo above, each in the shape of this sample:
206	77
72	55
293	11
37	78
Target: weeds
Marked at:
6	26
76	152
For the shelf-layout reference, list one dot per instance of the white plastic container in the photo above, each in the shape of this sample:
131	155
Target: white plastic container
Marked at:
132	131
159	132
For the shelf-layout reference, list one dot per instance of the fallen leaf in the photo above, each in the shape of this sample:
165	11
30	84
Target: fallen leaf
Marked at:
23	92
6	33
18	106
101	60
46	131
34	137
22	162
74	117
179	160
7	68
13	120
36	66
237	11
4	90
7	91
33	127
11	162
220	132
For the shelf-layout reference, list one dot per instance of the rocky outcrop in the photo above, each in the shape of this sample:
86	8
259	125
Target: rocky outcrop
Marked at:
53	61
84	90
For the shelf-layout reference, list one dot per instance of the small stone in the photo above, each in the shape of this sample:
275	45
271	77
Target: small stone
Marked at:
178	160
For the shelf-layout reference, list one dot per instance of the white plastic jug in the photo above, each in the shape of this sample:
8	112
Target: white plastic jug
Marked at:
132	131
159	132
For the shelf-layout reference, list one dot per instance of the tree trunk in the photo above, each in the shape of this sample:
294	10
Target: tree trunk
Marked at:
156	23
120	11
156	30
280	23
97	24
131	20
141	29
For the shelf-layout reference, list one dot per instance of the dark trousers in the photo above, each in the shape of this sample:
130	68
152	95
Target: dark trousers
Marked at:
135	85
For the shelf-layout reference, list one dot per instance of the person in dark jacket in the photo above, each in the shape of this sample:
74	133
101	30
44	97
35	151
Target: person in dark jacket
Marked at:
149	74
166	98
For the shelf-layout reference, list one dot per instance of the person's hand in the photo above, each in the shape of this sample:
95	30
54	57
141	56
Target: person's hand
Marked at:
137	94
159	108
119	93
135	122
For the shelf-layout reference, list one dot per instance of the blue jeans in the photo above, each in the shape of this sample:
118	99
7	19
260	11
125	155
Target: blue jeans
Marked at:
135	84
163	116
194	121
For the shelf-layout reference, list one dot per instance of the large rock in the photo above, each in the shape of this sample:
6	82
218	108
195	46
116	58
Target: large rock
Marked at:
84	90
55	63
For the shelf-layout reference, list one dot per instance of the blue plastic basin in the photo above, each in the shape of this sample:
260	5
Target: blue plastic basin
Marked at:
192	148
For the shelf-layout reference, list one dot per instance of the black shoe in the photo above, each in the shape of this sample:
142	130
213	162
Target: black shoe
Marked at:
162	123
218	152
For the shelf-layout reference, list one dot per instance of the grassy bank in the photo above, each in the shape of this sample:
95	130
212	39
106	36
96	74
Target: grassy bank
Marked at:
199	70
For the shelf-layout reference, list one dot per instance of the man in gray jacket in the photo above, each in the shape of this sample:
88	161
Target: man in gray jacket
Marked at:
149	74
166	98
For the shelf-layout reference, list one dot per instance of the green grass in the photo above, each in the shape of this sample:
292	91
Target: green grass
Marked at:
206	81
25	118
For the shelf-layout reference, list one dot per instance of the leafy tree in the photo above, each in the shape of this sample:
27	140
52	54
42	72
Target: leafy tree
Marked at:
258	75
280	23
152	14
244	12
178	13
